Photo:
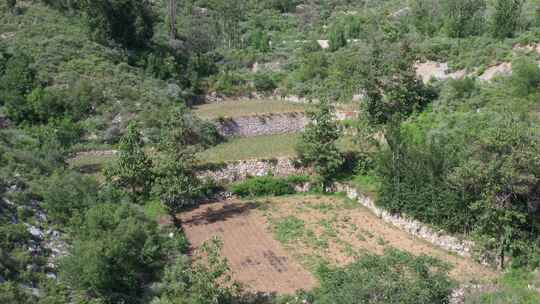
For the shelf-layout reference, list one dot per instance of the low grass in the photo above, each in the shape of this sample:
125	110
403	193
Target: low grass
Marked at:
290	229
247	108
260	147
513	287
155	209
251	148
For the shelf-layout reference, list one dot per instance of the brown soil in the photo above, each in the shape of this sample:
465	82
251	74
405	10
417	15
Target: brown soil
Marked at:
257	260
352	230
334	231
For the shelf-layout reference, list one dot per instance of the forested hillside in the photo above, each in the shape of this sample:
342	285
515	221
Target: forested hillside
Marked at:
111	109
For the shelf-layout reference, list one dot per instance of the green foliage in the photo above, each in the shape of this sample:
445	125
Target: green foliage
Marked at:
16	83
206	280
317	146
336	39
393	90
116	253
260	41
506	19
67	195
176	182
290	229
127	22
261	186
426	16
395	277
512	288
263	82
13	294
525	77
463	17
132	171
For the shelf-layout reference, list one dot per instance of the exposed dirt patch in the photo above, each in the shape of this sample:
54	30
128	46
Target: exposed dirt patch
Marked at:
256	259
338	232
438	70
502	69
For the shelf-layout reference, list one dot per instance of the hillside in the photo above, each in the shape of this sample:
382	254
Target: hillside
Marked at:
281	151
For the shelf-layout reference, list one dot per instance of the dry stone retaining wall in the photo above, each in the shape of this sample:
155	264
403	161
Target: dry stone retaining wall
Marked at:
249	126
240	170
416	228
269	124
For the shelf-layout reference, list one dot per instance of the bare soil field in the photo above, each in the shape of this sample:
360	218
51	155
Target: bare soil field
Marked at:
258	261
271	243
338	231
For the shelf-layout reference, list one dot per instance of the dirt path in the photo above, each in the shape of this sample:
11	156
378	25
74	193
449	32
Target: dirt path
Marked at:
256	259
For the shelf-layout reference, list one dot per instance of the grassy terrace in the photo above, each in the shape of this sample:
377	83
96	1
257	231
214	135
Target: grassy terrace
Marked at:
247	107
259	147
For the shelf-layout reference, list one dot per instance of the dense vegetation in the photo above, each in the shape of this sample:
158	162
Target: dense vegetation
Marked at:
460	154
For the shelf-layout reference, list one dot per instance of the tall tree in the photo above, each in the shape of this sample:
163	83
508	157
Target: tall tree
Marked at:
172	19
132	171
464	17
506	18
127	22
317	145
176	181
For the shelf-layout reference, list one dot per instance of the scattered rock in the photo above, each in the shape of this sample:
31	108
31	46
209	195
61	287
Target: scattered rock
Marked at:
438	70
324	44
35	232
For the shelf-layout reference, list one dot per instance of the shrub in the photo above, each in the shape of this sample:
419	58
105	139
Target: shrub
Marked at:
395	277
117	252
67	195
127	22
263	82
260	186
525	77
506	18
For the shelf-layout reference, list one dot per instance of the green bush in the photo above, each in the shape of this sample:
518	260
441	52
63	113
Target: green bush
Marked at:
67	195
260	186
117	252
396	277
264	82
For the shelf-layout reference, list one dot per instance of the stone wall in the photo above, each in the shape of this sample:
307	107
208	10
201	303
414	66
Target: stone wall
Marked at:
269	124
236	171
416	228
240	170
248	126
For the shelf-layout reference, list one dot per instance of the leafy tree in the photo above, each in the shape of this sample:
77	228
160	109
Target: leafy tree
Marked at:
229	14
392	88
16	83
502	174
317	145
336	39
463	17
204	281
506	18
133	169
525	77
176	182
11	4
127	22
117	252
260	40
426	16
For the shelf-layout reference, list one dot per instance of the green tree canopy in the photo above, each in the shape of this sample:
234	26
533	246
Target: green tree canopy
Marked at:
317	145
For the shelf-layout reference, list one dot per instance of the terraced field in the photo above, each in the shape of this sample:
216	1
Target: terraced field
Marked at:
274	243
